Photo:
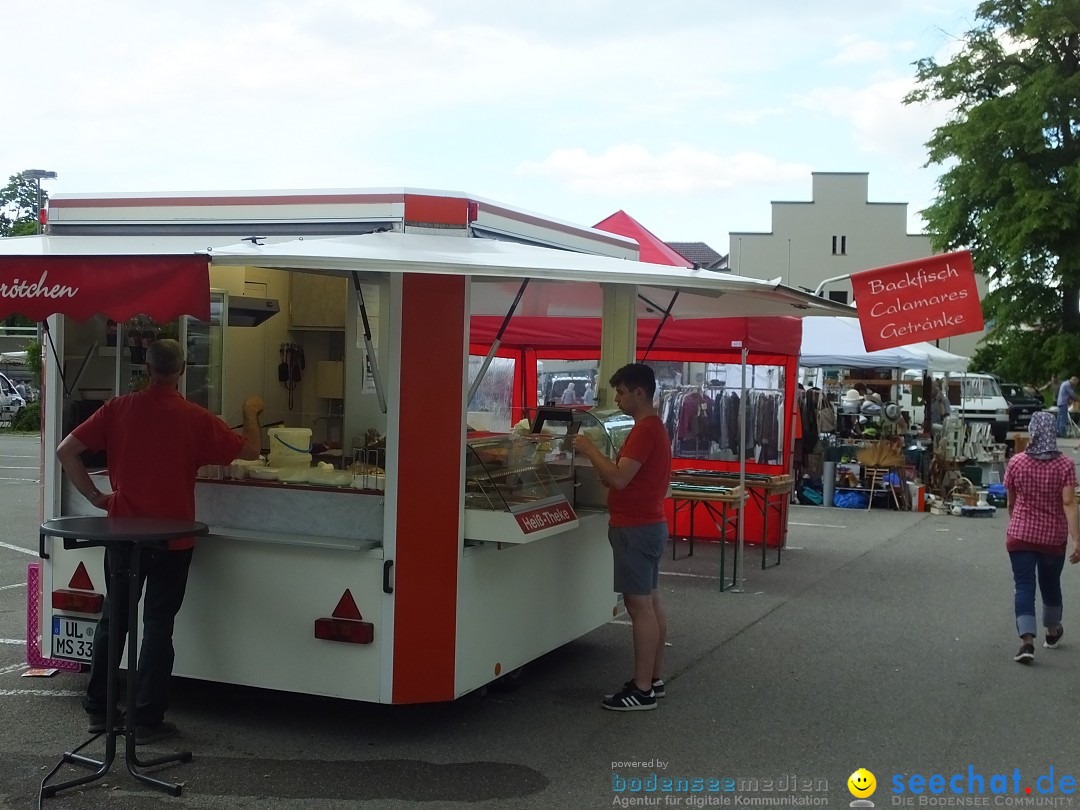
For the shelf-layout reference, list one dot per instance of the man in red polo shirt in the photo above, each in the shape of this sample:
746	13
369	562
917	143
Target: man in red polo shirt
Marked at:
638	482
155	442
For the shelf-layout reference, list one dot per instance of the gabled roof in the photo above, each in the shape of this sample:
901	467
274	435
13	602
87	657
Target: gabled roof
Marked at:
700	254
653	249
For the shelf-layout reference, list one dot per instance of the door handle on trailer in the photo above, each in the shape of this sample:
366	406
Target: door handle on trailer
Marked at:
386	586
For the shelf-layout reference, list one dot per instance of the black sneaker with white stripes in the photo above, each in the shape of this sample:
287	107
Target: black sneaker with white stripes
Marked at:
658	687
630	699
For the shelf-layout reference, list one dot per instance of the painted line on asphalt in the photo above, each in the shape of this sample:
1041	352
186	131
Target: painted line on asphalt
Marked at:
819	525
681	574
9	587
22	480
18	466
12	640
29	551
41	692
13	668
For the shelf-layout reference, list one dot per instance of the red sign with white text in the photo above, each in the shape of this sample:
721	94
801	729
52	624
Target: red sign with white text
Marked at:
118	287
545	517
915	301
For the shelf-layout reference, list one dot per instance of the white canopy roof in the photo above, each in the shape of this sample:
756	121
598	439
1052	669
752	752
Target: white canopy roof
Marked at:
838	342
503	265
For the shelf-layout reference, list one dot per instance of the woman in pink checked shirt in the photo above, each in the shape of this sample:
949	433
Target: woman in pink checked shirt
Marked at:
1041	484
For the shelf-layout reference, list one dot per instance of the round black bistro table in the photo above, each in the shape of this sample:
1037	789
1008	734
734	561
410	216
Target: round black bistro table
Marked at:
125	538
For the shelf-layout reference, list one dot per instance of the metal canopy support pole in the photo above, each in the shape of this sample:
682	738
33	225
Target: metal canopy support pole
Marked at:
495	344
819	291
371	356
740	556
659	326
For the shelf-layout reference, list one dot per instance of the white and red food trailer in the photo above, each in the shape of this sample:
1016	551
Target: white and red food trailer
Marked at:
465	555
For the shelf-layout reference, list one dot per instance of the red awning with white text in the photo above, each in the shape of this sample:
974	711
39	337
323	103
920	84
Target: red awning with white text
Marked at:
117	287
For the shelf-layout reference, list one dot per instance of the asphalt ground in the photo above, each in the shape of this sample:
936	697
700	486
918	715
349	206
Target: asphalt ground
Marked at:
884	640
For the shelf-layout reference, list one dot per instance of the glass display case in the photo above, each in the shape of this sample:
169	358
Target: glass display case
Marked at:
518	488
607	427
204	343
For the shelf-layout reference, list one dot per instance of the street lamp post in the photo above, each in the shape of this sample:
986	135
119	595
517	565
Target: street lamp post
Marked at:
37	175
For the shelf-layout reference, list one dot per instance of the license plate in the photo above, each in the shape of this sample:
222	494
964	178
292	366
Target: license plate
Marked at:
73	638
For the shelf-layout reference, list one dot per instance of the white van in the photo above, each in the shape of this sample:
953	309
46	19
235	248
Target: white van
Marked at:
977	397
11	401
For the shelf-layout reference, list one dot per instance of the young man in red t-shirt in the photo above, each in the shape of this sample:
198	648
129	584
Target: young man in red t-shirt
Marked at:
155	441
637	482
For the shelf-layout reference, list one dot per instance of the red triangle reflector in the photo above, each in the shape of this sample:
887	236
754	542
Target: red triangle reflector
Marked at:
346	607
80	580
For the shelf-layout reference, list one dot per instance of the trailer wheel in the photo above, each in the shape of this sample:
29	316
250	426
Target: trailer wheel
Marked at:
508	682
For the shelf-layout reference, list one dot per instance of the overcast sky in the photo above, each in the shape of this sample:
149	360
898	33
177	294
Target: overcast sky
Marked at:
691	115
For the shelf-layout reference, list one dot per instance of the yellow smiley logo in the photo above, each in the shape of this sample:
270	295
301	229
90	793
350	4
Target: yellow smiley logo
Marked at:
862	784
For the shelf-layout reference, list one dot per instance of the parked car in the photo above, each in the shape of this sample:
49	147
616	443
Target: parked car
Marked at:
1021	405
977	397
11	401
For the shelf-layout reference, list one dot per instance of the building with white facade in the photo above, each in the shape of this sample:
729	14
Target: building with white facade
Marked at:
838	232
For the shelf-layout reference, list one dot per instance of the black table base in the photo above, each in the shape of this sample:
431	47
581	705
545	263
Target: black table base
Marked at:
125	539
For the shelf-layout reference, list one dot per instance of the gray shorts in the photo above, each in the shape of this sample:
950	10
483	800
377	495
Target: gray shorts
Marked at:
637	551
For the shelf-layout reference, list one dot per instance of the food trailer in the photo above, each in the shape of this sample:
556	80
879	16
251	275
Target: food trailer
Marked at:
429	560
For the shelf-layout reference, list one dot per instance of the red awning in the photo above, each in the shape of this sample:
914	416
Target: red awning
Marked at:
696	335
118	287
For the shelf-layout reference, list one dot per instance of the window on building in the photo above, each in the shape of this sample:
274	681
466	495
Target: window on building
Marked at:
843	246
839	246
838	295
834	241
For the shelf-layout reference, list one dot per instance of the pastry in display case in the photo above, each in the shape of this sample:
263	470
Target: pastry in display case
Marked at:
518	488
607	427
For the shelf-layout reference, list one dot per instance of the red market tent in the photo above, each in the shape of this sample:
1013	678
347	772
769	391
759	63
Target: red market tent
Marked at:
652	248
768	341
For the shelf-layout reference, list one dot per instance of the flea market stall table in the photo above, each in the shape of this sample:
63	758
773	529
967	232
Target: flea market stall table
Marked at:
771	493
721	506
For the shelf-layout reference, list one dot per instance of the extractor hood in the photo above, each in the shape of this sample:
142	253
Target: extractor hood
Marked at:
249	311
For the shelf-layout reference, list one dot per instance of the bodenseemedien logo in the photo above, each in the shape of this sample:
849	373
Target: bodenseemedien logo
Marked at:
862	785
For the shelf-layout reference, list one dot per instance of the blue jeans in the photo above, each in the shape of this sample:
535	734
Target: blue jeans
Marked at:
1026	565
164	574
1063	421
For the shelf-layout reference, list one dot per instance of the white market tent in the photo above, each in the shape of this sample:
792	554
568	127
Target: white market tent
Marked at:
15	358
829	342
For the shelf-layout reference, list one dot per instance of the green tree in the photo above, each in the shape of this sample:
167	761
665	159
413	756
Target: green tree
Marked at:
1010	192
18	217
19	206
